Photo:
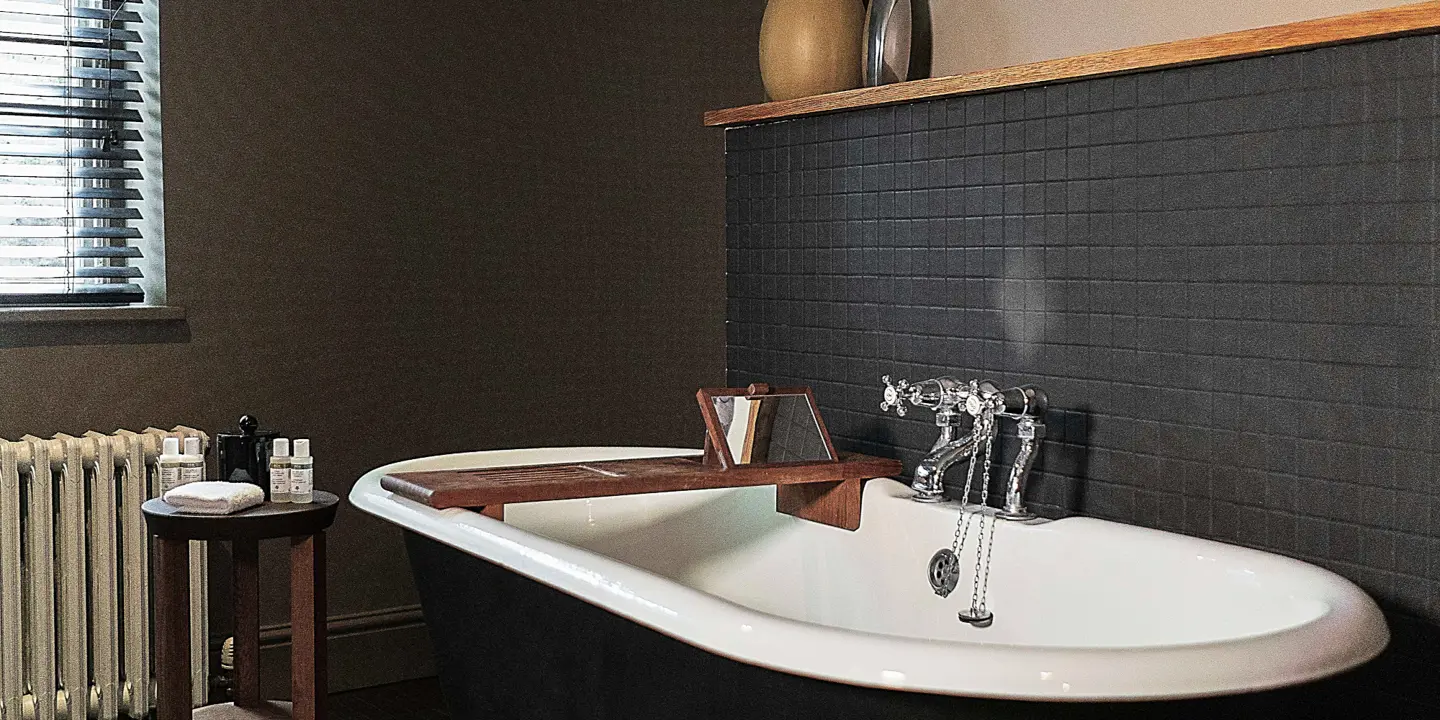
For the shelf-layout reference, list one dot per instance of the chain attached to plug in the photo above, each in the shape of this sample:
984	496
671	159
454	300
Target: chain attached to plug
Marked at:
944	568
985	404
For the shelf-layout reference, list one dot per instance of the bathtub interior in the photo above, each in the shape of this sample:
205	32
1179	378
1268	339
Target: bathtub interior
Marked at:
1076	583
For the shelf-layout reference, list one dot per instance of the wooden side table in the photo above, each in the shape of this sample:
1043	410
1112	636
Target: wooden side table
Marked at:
305	526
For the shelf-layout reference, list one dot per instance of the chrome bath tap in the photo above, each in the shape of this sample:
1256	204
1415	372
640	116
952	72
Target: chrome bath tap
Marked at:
949	398
953	401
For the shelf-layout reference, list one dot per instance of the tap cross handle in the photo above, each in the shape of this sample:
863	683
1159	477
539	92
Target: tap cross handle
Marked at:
895	395
942	394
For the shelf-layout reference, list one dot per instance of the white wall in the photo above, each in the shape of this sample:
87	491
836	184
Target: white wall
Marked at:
979	34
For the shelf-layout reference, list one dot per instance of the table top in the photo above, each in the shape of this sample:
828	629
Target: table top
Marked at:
267	520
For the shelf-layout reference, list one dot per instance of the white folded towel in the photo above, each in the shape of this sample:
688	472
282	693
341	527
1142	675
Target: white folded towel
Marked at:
213	497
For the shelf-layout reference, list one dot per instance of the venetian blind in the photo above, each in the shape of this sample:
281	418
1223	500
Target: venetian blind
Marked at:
69	119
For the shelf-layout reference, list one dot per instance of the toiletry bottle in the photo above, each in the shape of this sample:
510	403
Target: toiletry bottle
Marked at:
169	462
302	480
192	462
280	471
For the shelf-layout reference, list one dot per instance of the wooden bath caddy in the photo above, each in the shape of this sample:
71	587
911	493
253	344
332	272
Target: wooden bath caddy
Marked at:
826	491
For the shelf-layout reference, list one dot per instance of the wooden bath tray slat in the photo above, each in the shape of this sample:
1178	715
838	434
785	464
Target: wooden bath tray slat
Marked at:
827	492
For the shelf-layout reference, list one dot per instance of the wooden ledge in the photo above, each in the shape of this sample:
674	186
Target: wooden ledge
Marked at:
118	314
1387	22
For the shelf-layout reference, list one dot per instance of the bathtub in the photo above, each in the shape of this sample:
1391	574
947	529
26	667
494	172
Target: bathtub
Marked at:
711	604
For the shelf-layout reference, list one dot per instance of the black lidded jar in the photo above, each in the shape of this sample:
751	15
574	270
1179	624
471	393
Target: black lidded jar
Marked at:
245	456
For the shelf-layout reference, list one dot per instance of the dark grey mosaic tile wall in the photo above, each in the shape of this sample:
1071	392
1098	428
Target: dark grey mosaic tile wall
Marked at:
1223	275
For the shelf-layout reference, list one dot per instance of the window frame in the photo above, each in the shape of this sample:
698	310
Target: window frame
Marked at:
155	305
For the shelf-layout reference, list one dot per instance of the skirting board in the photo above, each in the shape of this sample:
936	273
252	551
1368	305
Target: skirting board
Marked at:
366	649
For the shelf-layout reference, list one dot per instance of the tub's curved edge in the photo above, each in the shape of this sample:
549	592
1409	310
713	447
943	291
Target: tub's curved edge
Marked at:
1285	658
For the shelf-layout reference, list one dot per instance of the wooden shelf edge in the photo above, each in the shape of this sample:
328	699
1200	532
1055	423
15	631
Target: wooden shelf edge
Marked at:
119	314
1307	34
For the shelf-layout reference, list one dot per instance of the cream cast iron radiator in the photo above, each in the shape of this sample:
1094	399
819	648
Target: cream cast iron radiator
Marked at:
75	614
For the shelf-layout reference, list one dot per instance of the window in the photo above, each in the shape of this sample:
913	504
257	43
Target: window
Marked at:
70	118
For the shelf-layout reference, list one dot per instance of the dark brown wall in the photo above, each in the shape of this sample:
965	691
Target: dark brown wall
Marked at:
422	227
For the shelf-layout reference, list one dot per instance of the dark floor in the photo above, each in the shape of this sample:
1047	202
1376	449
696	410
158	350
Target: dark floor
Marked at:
412	700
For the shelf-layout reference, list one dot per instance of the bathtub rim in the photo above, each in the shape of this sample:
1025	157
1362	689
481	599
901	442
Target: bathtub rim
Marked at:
1291	656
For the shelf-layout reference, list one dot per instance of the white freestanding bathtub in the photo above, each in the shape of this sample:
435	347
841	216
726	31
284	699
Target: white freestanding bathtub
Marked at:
1084	609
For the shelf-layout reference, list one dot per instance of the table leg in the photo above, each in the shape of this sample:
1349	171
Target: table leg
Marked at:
307	622
246	562
172	629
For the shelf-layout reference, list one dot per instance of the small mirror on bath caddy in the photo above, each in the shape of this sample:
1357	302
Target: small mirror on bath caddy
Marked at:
761	425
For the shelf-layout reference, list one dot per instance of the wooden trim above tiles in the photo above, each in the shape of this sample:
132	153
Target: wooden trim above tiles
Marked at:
1387	22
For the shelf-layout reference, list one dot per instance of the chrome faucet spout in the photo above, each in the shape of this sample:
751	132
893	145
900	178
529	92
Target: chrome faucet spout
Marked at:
1031	432
947	436
929	482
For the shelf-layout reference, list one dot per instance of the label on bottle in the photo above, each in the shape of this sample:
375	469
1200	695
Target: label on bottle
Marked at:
279	482
169	478
300	480
191	473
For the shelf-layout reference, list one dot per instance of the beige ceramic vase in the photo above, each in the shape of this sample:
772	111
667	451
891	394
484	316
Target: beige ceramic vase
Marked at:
809	47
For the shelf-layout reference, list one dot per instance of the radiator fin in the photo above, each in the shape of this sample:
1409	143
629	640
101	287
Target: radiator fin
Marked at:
12	636
135	580
104	575
73	650
38	568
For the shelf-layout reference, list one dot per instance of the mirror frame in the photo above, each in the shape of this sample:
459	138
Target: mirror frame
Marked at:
718	450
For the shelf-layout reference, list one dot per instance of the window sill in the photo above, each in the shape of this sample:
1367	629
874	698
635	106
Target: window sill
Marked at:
62	315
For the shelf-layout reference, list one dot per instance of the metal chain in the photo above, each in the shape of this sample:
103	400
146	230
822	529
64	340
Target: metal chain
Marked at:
985	582
962	524
984	542
961	529
976	604
989	454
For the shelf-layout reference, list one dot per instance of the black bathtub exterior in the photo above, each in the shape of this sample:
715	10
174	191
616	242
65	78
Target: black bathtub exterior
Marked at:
511	648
